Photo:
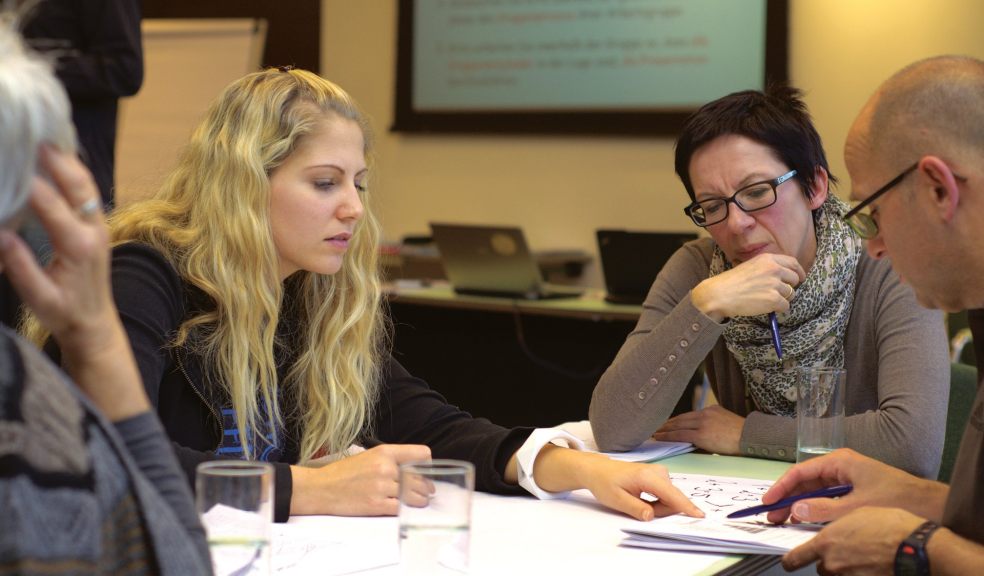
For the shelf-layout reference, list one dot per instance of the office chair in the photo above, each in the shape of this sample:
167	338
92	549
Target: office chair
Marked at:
963	389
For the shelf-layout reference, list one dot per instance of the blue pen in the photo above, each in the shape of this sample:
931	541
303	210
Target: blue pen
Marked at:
787	502
774	324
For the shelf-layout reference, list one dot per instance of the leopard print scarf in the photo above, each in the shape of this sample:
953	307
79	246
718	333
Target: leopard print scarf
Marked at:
813	330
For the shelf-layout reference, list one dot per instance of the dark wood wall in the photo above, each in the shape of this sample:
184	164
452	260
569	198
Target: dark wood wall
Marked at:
293	27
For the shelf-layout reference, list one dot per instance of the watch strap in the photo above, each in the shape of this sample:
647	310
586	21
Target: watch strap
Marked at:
911	558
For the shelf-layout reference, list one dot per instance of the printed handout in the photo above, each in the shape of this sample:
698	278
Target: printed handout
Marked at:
718	496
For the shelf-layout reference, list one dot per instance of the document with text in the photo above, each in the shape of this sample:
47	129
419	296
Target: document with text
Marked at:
719	496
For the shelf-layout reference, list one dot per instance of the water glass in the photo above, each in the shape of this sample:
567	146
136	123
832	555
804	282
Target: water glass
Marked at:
435	516
819	411
235	501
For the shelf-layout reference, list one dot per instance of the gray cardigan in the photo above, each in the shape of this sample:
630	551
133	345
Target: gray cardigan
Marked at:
895	355
81	494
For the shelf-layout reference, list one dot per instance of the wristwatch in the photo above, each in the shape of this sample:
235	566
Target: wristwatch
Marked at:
911	558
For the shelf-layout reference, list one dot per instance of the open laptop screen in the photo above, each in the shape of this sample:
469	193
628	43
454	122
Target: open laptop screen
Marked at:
490	260
631	260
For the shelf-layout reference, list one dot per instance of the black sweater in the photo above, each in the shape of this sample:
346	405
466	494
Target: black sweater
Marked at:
153	301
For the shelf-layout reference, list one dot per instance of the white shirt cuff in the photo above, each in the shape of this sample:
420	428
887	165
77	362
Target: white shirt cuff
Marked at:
527	453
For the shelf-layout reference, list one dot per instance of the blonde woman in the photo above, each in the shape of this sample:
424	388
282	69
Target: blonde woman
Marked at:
249	288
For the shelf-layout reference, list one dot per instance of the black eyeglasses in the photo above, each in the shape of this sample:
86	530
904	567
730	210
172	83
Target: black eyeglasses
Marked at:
862	222
749	198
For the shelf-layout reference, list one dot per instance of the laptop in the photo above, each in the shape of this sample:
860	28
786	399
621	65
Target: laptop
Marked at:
493	261
630	261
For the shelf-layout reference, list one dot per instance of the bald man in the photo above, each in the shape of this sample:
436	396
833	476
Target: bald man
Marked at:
915	155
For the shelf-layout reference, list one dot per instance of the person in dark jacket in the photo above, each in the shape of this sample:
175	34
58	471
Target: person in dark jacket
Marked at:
98	56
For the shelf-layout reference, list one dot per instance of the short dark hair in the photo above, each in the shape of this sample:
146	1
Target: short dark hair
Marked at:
776	118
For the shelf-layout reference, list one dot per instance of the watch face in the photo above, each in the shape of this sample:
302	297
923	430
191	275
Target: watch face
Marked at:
911	558
910	561
906	565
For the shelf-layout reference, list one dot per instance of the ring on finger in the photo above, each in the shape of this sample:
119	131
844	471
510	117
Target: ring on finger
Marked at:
791	292
89	207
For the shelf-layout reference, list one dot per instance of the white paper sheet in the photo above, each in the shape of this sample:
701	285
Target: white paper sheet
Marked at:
719	496
329	546
649	451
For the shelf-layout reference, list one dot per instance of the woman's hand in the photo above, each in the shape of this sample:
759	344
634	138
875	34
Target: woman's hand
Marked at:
714	429
618	485
764	284
72	296
367	484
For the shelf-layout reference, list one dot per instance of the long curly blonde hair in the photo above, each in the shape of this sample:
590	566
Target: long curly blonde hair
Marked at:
210	219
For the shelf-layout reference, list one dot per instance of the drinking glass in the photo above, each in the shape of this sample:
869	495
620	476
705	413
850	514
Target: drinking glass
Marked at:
435	516
819	411
235	501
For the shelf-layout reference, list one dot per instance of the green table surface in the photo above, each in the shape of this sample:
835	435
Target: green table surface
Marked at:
717	465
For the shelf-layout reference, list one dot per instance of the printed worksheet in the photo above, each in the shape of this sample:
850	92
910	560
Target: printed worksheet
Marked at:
719	496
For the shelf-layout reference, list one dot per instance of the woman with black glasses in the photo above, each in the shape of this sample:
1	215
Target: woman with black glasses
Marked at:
757	176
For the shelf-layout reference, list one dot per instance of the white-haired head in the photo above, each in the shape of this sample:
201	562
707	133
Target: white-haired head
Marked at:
34	109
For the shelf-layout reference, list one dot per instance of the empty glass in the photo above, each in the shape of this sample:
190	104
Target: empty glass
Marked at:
819	411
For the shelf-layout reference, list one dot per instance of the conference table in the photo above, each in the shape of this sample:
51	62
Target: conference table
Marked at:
519	535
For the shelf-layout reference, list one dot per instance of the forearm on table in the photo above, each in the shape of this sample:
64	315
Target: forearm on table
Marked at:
304	498
638	392
769	436
870	433
556	469
898	437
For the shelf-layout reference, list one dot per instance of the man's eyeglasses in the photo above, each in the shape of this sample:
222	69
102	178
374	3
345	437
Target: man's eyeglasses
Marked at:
749	198
862	222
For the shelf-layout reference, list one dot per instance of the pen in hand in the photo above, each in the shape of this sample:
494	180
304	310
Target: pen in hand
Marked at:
774	325
830	492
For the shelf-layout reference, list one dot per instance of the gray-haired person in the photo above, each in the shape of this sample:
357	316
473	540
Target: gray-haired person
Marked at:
88	482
